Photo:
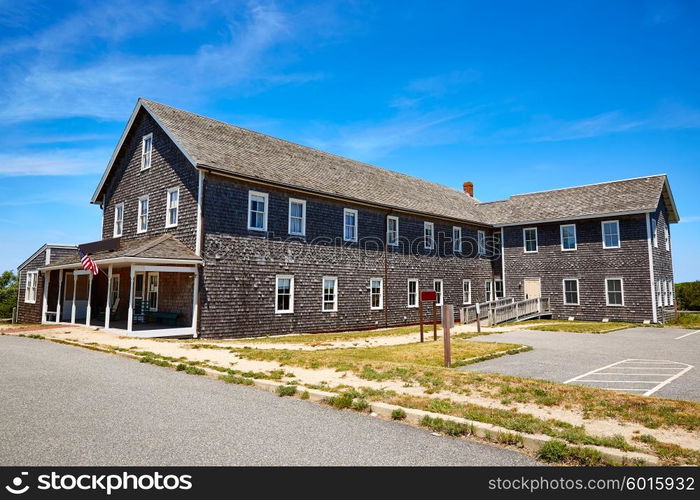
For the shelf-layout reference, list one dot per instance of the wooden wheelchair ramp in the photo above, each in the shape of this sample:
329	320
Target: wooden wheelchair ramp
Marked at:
506	309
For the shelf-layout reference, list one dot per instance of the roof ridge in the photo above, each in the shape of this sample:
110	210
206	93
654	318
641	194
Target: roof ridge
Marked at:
587	185
310	148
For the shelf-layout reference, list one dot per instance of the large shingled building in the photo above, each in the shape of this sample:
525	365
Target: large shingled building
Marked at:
214	230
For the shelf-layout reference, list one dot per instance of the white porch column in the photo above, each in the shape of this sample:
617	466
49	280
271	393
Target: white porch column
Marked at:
59	300
108	307
89	306
130	320
72	306
45	302
195	303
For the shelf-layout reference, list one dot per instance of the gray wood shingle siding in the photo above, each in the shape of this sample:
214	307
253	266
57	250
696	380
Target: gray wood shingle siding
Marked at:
169	168
590	263
28	312
241	265
663	259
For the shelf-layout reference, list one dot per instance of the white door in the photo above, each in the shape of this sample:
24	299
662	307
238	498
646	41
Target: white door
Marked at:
533	288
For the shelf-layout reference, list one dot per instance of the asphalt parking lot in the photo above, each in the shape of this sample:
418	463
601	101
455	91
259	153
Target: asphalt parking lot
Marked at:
73	407
658	362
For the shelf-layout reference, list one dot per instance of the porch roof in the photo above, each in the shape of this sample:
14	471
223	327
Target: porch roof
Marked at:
163	248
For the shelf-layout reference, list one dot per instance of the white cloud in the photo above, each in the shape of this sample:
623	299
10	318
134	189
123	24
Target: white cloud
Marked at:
434	86
55	162
52	84
368	141
667	116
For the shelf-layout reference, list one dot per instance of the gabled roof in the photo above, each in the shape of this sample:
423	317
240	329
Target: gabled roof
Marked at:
227	149
42	249
163	247
614	198
218	147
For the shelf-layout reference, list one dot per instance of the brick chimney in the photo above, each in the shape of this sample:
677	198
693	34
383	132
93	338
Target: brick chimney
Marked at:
468	188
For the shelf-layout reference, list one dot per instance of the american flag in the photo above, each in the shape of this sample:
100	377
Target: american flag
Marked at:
88	263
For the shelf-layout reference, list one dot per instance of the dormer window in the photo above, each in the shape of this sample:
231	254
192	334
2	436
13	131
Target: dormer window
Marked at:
146	151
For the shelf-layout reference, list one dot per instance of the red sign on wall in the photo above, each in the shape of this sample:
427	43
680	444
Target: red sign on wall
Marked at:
428	295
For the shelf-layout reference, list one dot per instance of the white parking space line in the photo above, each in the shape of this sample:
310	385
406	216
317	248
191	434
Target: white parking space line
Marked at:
663	372
687	335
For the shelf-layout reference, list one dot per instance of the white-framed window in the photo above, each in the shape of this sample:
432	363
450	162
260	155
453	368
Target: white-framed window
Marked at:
671	293
570	286
284	294
142	220
257	211
654	236
614	292
437	286
530	240
118	220
297	217
172	208
568	237
376	294
481	242
330	294
392	230
488	289
153	285
429	235
30	287
114	290
413	293
611	233
456	239
146	151
466	291
498	288
659	294
350	224
667	239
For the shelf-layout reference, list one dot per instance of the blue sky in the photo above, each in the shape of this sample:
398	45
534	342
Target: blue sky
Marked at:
515	96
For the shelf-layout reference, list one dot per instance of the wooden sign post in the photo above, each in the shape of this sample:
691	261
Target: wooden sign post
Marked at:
420	316
448	318
427	295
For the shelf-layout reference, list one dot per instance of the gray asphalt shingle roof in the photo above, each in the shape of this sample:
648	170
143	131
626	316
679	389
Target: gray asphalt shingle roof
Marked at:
625	196
251	154
218	146
164	246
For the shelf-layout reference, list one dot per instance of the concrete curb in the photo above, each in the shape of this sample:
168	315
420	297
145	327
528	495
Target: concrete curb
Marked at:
531	442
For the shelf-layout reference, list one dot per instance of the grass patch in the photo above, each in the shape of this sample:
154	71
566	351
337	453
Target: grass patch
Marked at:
426	353
448	427
686	320
315	339
286	390
156	361
555	451
232	378
670	454
419	364
398	414
342	401
582	327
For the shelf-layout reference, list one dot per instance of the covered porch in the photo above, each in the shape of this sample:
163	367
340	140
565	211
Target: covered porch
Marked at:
132	295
